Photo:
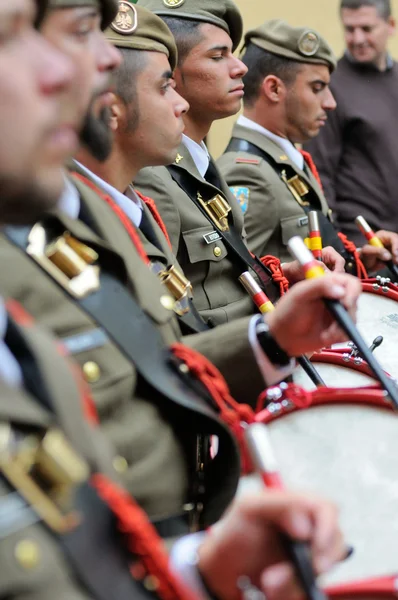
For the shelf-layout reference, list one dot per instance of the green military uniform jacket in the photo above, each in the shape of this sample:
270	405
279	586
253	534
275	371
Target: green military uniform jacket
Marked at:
33	564
150	440
272	215
218	295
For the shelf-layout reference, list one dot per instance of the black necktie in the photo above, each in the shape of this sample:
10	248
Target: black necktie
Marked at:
148	231
212	176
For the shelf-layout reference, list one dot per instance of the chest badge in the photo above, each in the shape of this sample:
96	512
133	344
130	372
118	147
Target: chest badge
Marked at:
242	194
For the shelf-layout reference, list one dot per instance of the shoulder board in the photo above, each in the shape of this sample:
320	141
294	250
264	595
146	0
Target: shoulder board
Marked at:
247	161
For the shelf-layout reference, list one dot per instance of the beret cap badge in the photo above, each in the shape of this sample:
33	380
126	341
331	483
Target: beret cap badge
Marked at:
309	43
173	3
126	20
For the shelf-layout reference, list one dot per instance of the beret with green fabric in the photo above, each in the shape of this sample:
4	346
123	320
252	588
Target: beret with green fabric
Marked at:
137	28
296	43
108	8
222	13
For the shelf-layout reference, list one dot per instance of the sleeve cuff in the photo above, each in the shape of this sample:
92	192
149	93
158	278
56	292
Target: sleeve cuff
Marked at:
272	374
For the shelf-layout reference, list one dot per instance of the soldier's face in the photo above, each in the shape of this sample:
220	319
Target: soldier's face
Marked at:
77	32
210	78
35	139
307	103
366	33
153	125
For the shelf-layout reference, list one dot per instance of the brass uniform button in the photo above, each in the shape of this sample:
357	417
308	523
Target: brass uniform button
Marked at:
167	302
27	554
217	251
151	583
120	464
92	372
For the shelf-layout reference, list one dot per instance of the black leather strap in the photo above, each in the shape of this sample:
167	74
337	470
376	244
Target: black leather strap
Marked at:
232	238
328	232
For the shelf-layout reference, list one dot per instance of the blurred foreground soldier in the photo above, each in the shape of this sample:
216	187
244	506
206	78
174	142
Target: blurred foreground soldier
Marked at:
151	403
355	152
66	530
201	215
287	101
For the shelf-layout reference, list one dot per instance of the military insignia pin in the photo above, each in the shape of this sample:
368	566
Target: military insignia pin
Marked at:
126	20
242	194
173	3
178	159
309	43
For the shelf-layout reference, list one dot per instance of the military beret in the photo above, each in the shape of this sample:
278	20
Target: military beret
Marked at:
137	28
222	13
108	7
297	43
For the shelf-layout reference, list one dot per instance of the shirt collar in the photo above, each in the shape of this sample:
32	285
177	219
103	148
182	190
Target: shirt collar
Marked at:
129	202
290	150
199	153
10	370
389	62
69	202
3	319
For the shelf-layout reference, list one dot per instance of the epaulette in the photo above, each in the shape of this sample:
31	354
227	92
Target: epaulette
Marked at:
247	161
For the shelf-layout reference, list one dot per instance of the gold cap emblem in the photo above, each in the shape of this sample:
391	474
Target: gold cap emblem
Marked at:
173	3
309	43
126	20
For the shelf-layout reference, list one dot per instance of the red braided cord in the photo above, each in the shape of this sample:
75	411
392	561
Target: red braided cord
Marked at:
142	540
350	247
231	412
128	225
274	264
155	213
312	167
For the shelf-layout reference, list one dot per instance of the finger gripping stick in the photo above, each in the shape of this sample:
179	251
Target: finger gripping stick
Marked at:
374	241
312	269
261	452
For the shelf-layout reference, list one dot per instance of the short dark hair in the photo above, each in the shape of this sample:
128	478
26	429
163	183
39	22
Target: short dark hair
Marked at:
260	64
383	7
133	63
186	33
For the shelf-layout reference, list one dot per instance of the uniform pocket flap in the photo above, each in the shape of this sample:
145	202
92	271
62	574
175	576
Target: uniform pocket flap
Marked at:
204	243
296	225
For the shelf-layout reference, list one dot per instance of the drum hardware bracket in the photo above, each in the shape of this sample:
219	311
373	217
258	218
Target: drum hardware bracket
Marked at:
383	283
275	407
353	355
276	393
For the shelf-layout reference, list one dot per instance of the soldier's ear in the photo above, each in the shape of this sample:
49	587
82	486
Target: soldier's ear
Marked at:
118	112
273	89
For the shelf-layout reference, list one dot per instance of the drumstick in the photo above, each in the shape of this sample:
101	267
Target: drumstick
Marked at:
315	235
265	305
260	449
312	269
373	240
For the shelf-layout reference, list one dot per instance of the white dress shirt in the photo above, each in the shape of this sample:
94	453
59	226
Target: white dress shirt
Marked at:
199	153
10	370
289	149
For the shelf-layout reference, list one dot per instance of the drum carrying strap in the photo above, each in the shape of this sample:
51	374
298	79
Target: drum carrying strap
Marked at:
232	238
328	232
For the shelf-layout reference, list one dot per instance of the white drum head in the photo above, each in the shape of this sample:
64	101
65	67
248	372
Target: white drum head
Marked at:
333	376
349	454
378	315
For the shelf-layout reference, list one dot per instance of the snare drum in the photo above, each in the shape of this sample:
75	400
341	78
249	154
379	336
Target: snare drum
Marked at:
343	444
378	315
338	367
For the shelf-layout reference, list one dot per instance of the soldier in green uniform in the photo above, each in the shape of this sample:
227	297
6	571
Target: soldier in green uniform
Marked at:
202	217
287	98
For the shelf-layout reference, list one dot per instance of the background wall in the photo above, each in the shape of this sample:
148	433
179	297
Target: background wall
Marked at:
322	15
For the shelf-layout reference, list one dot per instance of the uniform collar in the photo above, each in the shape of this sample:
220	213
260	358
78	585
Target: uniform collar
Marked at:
199	153
290	150
129	202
